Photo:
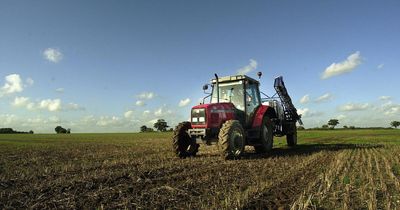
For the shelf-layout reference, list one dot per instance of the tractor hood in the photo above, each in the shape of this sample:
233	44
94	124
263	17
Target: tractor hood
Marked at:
215	106
211	115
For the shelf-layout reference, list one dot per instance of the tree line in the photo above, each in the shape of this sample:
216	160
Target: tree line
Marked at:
332	123
10	131
160	125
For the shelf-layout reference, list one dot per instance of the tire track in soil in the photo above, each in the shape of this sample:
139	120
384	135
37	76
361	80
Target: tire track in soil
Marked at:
282	194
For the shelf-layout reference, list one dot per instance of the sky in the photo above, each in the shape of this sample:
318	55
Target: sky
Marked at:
112	66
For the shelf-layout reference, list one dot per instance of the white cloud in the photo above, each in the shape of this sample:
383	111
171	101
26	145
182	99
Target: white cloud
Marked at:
20	101
380	66
385	98
305	99
146	95
324	98
109	121
72	107
354	107
60	90
52	55
30	106
140	103
146	112
345	66
341	117
158	112
393	110
13	84
184	102
7	120
29	81
390	108
162	112
306	113
50	104
151	122
250	67
128	114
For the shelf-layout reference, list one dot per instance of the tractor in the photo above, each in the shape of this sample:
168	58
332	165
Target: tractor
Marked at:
237	115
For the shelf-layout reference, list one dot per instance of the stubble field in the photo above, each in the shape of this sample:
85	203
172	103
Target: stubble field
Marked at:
340	169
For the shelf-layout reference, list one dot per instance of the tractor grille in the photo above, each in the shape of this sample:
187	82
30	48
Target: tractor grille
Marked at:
198	116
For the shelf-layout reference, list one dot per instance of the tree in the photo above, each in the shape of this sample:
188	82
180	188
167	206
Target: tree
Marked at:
395	124
60	129
143	128
31	131
333	123
325	126
300	127
345	127
161	125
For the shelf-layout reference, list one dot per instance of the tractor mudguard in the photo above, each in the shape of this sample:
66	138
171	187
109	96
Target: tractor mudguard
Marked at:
259	115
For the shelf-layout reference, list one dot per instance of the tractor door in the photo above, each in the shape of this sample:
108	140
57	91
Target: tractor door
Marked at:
252	99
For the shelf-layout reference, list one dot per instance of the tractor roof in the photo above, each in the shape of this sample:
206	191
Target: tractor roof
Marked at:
234	78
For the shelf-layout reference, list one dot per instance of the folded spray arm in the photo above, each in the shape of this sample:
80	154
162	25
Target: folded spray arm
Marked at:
289	109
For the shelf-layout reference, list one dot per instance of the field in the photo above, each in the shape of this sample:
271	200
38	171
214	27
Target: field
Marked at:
340	169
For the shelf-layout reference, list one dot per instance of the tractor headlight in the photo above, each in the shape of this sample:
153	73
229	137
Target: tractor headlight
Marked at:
201	119
198	116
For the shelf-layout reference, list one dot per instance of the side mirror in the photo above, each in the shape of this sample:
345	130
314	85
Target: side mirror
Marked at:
205	87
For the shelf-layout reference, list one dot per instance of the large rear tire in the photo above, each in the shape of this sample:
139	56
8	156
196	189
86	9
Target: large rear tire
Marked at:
291	138
266	136
231	139
183	145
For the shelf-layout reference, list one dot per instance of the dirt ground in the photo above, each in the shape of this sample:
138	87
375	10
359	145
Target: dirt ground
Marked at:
140	172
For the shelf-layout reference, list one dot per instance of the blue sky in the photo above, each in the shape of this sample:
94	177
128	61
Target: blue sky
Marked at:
103	66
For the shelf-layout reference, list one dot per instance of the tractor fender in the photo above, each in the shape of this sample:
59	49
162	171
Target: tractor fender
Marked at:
262	111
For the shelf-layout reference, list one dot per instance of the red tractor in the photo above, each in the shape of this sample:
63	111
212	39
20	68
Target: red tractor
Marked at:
237	116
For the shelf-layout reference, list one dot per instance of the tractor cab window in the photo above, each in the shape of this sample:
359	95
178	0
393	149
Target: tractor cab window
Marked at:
252	98
230	92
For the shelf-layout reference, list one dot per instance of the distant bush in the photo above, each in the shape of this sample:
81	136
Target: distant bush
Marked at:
144	128
300	127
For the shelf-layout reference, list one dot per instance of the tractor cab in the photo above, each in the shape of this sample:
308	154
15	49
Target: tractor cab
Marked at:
241	91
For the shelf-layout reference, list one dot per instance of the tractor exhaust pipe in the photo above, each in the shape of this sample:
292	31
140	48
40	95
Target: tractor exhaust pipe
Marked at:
217	88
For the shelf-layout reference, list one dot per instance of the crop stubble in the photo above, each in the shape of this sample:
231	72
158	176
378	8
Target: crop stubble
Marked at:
143	173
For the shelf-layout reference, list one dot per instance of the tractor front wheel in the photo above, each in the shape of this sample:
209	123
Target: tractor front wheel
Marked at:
231	139
266	136
183	145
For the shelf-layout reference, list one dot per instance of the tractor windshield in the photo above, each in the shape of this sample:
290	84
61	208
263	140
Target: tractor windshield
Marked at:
230	92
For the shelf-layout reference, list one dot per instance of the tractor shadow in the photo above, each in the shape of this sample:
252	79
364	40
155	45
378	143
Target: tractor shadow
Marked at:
307	149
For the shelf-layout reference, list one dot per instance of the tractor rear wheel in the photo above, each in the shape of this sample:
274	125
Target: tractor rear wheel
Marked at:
291	138
231	139
183	145
266	136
